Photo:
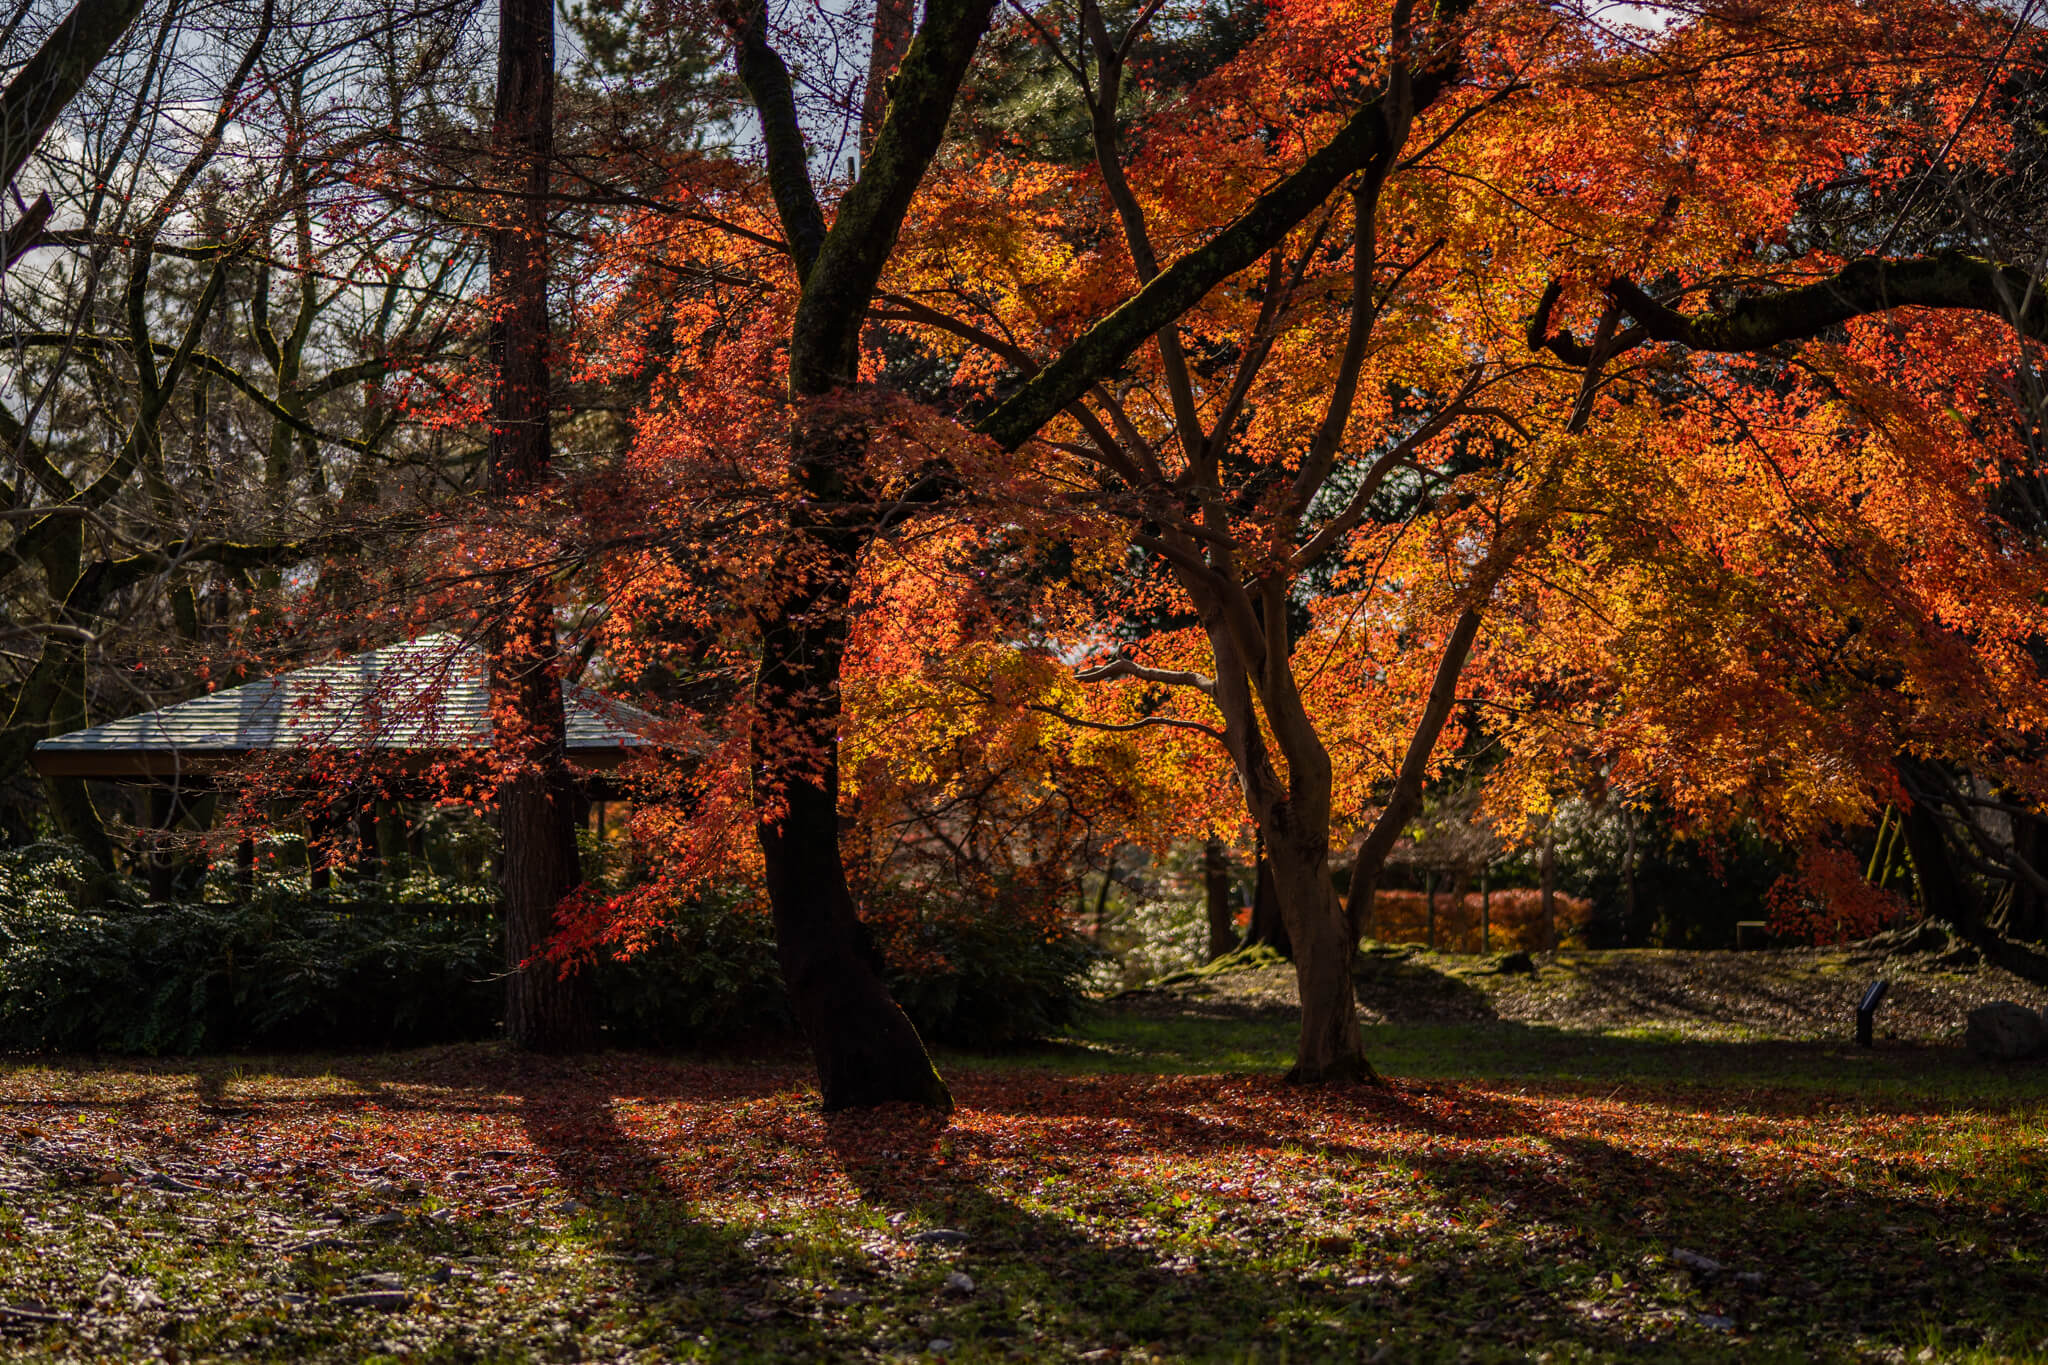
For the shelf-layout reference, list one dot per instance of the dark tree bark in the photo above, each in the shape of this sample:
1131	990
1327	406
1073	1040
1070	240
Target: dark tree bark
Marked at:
866	1049
1268	927
893	22
1222	906
538	866
55	74
1944	894
1947	894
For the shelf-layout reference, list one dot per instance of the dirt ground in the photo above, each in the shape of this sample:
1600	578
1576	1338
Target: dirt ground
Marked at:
1791	994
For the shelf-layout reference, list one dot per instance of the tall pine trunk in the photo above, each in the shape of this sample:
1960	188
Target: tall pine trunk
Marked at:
537	808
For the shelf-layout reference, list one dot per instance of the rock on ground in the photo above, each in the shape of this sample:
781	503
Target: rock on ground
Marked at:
2004	1031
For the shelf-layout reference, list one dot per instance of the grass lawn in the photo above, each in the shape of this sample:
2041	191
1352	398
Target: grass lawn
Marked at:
1143	1190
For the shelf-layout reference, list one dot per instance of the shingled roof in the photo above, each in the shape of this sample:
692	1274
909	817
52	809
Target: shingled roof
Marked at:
422	696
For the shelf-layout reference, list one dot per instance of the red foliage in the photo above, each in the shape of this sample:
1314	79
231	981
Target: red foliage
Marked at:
1828	900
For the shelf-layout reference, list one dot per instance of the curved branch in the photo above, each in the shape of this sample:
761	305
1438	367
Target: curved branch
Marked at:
1121	667
766	78
1868	285
1368	136
1407	794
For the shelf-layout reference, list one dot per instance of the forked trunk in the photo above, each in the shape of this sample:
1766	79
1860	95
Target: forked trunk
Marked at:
866	1049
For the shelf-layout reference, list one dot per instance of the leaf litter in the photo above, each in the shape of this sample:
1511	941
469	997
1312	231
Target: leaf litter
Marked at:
470	1203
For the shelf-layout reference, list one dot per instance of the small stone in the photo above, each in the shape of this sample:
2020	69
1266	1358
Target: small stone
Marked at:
959	1282
571	1207
170	1184
384	1220
380	1280
844	1298
1751	1279
383	1300
1714	1322
939	1237
938	1346
2004	1031
1692	1260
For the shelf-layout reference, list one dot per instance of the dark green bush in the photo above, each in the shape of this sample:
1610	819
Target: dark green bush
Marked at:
708	976
979	971
86	966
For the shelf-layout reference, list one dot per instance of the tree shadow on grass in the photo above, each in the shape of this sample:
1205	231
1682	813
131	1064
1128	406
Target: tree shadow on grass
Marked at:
1839	1245
1211	1217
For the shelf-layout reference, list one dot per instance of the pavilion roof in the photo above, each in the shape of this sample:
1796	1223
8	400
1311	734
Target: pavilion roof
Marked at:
422	696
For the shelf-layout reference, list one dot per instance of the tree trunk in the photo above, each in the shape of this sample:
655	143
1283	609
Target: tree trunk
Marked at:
48	81
891	37
1330	1047
866	1049
1268	926
1222	905
1546	862
544	1009
1945	894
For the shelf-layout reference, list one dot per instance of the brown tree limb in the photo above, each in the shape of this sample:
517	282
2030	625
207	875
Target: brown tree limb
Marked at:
1949	279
